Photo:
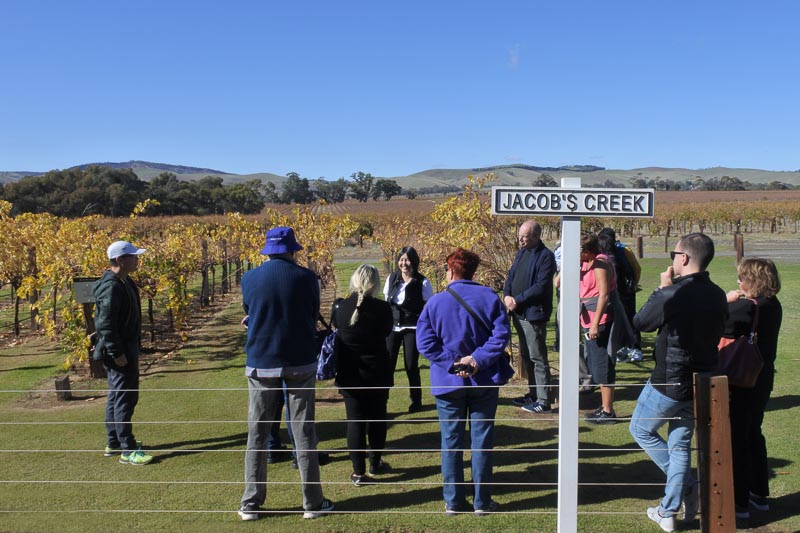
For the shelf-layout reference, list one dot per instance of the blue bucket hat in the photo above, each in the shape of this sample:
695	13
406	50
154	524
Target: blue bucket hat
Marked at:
280	240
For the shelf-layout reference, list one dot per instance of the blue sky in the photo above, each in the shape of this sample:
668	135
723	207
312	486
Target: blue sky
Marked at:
329	88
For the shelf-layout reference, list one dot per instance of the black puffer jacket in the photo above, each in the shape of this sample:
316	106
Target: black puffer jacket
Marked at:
117	316
689	316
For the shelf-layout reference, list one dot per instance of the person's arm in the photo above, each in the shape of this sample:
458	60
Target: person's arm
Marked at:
108	305
487	353
427	290
429	340
602	271
386	288
651	316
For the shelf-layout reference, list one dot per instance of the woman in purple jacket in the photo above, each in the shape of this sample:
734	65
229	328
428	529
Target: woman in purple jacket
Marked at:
463	333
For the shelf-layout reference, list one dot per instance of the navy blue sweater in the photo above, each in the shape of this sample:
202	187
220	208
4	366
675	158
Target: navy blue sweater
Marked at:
282	301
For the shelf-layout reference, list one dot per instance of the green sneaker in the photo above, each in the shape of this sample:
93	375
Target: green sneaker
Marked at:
111	452
136	457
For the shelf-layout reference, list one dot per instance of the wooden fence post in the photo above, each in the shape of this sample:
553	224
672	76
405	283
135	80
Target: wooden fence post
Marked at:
739	242
714	456
639	247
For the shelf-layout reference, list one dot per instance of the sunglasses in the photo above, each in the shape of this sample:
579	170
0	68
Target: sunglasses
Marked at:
673	254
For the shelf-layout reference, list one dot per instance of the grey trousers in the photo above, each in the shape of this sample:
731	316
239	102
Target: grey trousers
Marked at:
264	408
533	351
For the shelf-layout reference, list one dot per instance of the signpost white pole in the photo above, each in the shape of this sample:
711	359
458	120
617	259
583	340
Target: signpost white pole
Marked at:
568	370
570	202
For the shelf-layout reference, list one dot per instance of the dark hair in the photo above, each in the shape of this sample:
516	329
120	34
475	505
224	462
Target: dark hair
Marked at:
463	263
413	257
700	247
606	244
610	232
589	243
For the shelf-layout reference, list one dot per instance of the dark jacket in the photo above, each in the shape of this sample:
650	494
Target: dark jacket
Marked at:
282	300
689	316
536	302
406	313
117	318
770	316
363	360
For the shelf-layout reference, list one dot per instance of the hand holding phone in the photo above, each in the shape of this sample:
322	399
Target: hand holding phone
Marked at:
460	367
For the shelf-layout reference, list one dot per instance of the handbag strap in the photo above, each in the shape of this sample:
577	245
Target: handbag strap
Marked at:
755	318
469	309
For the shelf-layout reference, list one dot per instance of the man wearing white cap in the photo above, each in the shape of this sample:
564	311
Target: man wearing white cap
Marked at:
118	322
281	300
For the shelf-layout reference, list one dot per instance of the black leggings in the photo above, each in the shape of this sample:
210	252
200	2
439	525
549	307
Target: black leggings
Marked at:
408	338
361	406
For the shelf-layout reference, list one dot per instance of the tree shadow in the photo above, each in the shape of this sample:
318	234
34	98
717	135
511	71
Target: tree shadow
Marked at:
30	367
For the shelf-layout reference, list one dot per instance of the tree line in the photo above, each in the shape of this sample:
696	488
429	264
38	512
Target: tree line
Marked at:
114	192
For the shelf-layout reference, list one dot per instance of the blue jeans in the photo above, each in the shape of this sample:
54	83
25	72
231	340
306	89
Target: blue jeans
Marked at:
123	395
672	456
533	352
480	405
263	409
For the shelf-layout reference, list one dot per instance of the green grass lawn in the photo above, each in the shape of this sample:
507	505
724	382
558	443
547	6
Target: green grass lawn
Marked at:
54	477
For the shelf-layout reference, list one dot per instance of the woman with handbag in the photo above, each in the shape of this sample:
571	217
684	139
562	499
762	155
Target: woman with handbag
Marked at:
363	322
463	332
756	299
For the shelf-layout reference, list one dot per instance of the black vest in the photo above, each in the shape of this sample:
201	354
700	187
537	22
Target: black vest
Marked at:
406	313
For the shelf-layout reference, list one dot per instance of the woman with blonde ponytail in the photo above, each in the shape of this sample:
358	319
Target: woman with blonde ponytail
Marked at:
364	372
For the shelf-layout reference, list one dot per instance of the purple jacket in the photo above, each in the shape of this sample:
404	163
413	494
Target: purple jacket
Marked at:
447	332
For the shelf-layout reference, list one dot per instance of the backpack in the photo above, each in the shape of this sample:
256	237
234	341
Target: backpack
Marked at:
628	269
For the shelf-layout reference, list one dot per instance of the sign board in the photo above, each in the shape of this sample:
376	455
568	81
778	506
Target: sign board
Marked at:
555	201
84	289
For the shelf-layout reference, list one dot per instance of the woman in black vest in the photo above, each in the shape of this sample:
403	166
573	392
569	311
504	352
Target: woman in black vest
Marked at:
407	291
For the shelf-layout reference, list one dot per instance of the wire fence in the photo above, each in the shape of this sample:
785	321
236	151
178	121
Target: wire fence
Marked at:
389	486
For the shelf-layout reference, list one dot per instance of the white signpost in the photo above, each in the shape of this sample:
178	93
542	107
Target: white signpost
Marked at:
571	202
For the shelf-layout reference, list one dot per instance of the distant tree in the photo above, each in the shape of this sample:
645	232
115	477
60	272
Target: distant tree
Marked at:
638	182
296	190
244	198
386	189
361	186
544	180
270	193
777	186
333	192
411	194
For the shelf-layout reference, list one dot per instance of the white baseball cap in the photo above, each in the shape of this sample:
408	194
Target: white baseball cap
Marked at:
119	248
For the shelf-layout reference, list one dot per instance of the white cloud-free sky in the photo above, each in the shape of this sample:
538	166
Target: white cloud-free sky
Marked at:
329	88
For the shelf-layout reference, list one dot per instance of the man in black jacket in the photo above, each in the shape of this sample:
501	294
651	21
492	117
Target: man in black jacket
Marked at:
118	323
689	311
528	295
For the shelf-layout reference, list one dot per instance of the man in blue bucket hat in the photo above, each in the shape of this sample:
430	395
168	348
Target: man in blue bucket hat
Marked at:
281	300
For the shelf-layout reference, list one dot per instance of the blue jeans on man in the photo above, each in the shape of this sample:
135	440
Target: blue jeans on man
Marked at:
263	408
533	351
478	405
672	456
123	395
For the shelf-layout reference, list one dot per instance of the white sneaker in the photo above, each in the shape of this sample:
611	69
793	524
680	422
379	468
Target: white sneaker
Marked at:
667	523
325	508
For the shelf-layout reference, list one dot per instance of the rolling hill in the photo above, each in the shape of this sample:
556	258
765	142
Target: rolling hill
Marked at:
521	175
